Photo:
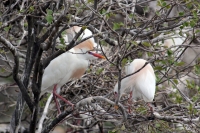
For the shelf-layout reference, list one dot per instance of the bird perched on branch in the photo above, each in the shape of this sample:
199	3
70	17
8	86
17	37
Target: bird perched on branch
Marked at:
141	82
70	65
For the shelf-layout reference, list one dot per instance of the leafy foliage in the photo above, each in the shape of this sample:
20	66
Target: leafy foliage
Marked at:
166	33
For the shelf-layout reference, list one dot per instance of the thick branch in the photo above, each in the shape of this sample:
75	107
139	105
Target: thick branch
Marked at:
16	70
175	118
58	119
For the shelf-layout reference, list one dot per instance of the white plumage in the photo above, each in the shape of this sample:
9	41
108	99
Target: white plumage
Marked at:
61	69
141	84
69	65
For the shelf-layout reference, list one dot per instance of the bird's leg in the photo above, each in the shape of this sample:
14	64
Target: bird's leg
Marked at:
130	101
55	99
55	94
78	121
151	117
150	107
57	104
130	98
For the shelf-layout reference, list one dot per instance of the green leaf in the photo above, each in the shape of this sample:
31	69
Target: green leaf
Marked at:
124	61
190	108
185	24
195	14
117	25
114	130
49	19
180	63
140	54
49	12
123	127
147	44
84	27
49	16
99	71
31	8
103	43
189	5
150	54
62	41
25	24
141	110
158	68
195	111
157	125
169	52
180	33
197	31
171	60
159	3
178	98
164	4
181	13
157	13
134	43
190	84
146	9
168	6
192	23
62	47
103	11
197	69
175	81
164	62
90	1
181	27
130	15
64	33
195	98
2	51
7	28
2	70
110	14
21	11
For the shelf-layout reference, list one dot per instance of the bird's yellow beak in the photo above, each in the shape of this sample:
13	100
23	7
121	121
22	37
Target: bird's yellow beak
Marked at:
97	55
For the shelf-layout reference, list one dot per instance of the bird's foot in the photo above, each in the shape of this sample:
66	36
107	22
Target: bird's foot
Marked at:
66	101
151	110
150	116
57	104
